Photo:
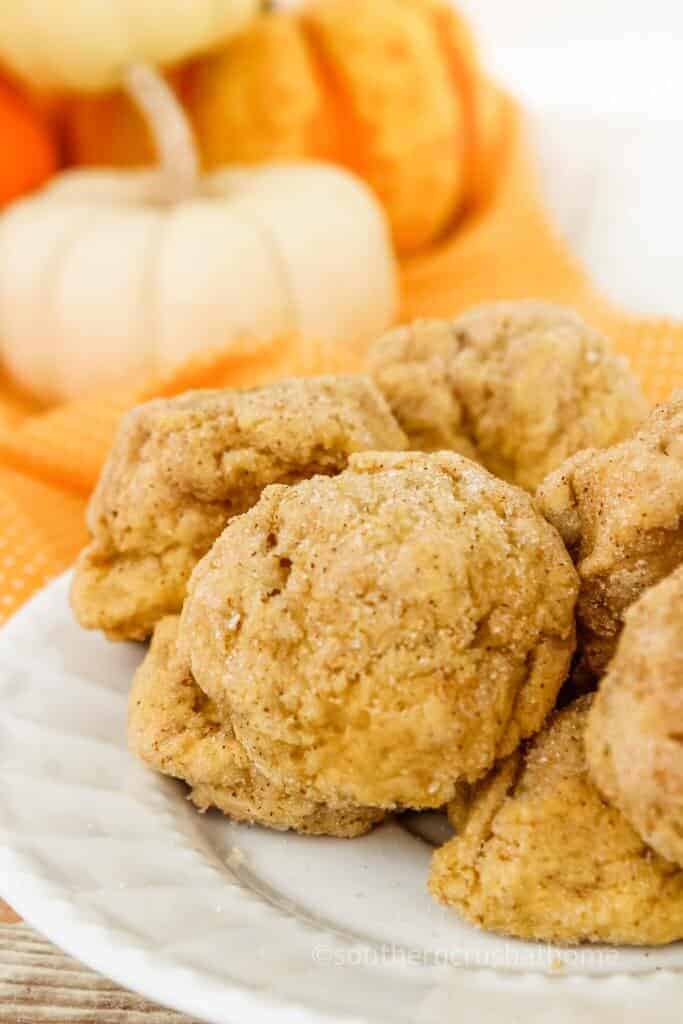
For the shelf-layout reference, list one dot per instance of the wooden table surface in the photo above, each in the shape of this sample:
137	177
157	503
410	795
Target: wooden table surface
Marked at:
40	985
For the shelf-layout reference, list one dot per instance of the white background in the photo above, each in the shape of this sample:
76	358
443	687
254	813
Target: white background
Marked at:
613	56
603	82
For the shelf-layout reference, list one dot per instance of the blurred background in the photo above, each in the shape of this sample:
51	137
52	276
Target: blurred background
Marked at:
602	82
608	56
439	211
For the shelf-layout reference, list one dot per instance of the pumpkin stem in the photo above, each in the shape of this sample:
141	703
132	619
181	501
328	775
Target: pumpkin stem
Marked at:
170	128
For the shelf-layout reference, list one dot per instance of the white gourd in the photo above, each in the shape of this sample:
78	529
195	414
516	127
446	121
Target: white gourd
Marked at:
109	276
85	45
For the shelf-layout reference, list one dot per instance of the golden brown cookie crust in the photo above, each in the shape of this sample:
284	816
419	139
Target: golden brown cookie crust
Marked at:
181	468
179	731
620	513
378	635
519	386
542	856
634	740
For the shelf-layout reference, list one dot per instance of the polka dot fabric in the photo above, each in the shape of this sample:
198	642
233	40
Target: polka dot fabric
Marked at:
50	459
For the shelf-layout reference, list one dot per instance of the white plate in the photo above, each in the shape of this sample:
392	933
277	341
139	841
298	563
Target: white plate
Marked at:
235	924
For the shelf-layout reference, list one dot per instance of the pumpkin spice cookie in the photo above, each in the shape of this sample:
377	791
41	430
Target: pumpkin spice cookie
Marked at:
517	385
180	732
620	513
382	634
634	740
181	468
542	856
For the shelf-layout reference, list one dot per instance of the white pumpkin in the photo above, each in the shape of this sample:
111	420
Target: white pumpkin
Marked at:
109	276
99	284
85	45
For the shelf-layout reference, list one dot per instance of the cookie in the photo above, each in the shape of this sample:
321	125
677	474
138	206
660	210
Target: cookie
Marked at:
181	468
179	731
541	855
634	740
519	386
620	513
379	635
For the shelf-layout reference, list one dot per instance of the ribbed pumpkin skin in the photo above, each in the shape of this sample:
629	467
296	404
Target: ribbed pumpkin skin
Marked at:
29	153
103	283
391	89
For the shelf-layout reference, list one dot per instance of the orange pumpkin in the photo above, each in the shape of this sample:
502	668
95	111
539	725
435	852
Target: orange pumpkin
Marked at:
391	89
109	131
29	153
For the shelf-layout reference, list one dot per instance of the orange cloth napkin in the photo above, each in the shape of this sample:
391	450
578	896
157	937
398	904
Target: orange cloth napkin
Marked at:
50	459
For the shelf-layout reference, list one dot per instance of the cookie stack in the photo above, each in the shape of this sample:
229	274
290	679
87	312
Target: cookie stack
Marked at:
359	607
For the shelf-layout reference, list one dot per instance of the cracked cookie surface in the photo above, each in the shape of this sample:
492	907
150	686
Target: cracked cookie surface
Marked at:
620	513
540	854
519	386
179	731
378	635
181	468
634	740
